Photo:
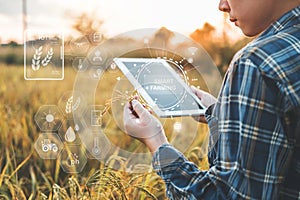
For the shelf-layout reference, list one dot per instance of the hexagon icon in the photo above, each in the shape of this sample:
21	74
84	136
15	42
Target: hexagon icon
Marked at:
48	145
95	72
79	65
97	144
97	117
95	38
73	159
48	118
69	131
70	102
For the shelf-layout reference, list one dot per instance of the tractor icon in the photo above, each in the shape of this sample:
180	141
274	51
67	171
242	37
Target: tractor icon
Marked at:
48	146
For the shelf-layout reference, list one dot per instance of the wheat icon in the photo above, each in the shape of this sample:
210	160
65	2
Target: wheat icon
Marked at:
36	60
71	106
48	57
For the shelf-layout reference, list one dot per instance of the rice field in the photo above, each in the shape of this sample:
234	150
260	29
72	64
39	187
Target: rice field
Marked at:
25	175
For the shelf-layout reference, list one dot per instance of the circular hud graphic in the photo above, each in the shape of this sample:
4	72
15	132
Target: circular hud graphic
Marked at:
106	89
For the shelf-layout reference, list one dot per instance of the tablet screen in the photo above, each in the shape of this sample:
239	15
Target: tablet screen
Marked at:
161	87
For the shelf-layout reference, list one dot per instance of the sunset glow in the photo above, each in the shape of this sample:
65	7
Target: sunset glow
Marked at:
118	15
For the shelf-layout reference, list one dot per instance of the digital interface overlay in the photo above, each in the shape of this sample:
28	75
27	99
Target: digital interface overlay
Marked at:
87	122
43	55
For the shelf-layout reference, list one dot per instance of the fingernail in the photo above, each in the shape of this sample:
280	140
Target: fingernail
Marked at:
134	102
195	88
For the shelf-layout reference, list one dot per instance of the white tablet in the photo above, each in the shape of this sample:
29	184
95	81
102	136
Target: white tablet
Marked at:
161	87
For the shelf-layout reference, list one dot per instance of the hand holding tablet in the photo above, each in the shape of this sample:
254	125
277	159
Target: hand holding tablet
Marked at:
161	87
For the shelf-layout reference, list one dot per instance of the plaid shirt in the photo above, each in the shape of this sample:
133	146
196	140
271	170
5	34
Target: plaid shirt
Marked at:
254	126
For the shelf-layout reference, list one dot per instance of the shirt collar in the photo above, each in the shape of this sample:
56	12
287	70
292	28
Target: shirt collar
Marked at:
289	19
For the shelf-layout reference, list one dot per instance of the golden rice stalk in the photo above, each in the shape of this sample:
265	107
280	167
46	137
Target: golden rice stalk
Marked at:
149	194
75	190
4	197
57	170
59	193
43	196
21	164
3	173
44	177
15	191
33	183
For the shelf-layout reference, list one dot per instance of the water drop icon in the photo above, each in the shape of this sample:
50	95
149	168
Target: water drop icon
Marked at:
70	135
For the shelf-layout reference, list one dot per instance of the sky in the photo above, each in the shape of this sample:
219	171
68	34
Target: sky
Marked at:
119	16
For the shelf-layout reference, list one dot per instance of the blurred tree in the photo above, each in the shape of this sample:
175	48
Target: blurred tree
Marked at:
204	34
162	37
89	27
220	47
86	24
12	44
